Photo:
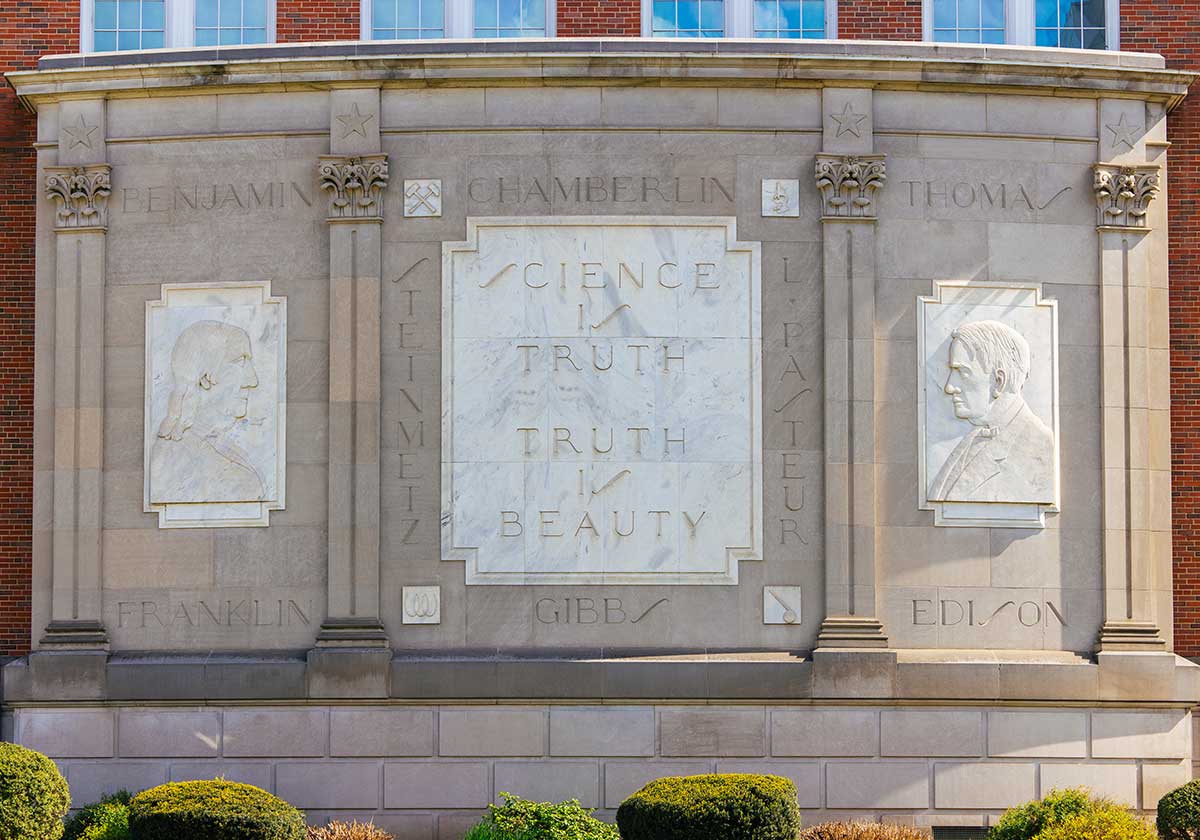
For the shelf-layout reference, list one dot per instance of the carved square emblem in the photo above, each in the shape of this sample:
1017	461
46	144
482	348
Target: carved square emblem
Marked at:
423	198
421	604
781	197
781	605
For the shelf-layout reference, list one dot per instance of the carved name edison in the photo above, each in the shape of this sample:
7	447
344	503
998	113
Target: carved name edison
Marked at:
601	401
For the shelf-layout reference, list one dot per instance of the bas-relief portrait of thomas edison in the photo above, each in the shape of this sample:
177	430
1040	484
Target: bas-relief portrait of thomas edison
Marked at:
215	420
988	405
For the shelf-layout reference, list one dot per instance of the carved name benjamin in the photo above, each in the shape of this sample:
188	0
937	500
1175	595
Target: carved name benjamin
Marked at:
228	198
601	401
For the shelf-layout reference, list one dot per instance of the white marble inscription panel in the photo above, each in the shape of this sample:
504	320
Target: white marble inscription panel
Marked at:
601	398
215	404
988	405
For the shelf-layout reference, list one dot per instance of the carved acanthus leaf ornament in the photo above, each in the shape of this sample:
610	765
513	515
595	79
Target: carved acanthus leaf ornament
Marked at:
1124	193
355	184
81	193
848	184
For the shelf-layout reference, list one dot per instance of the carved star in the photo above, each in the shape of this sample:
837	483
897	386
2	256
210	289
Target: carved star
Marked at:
354	122
1125	133
848	122
80	133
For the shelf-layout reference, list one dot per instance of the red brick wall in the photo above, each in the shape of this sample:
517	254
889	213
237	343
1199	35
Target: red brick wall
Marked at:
892	20
27	30
577	18
316	20
1173	29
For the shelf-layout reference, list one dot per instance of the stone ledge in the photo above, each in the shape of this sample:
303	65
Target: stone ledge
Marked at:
882	677
632	61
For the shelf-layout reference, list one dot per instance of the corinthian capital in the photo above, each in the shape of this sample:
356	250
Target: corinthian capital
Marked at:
81	193
1123	194
355	184
848	184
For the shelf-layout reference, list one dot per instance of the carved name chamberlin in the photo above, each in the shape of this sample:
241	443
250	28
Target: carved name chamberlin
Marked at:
597	189
241	612
264	195
965	194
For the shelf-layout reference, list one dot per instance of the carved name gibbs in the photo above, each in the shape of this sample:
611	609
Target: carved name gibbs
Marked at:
603	411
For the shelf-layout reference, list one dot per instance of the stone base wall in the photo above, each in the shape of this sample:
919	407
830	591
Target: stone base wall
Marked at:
427	772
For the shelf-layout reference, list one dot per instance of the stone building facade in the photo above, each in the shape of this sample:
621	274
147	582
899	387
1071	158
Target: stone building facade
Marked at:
415	421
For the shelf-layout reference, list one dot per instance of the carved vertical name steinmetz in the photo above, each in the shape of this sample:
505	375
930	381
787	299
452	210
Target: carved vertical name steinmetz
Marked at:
601	391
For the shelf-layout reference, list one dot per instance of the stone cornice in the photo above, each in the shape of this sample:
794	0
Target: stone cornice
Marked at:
615	61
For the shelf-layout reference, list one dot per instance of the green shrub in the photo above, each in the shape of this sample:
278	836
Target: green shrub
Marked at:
33	795
107	819
1112	823
722	806
216	810
1179	813
520	819
1027	821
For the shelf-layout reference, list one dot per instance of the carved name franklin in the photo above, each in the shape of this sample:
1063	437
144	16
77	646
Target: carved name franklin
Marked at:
601	401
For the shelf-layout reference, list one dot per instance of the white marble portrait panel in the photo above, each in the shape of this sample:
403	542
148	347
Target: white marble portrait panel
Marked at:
215	405
988	405
601	398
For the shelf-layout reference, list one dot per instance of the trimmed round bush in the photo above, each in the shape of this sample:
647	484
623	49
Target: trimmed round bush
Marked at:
1027	821
33	795
214	810
521	819
1179	813
721	806
1103	824
107	819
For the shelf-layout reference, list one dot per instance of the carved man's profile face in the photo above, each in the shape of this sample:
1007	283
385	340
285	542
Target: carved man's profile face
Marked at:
214	372
235	376
987	361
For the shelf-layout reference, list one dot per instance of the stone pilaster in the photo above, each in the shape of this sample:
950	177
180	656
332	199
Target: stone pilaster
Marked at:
79	187
848	177
355	176
1136	420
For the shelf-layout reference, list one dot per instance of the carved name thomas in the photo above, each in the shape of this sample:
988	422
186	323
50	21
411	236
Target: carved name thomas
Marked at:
601	401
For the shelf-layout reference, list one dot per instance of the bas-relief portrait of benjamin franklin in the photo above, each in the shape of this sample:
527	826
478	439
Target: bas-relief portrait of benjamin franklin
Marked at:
215	405
988	405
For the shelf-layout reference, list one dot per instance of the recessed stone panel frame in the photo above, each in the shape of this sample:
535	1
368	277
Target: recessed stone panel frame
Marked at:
715	274
1033	317
258	444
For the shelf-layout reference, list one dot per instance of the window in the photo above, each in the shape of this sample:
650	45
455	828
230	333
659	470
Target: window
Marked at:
510	18
789	18
1070	23
1079	24
969	21
410	19
402	19
739	18
689	19
129	25
221	22
107	25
